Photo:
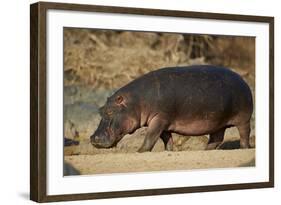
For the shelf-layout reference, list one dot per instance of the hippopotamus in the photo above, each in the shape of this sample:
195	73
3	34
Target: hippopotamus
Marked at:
191	101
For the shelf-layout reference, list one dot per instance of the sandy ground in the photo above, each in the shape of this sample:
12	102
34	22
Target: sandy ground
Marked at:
188	154
153	161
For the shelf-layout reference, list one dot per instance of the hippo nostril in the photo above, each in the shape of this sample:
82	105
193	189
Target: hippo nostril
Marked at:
95	139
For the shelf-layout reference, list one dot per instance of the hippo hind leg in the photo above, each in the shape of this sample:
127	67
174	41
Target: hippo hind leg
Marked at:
244	131
168	140
215	139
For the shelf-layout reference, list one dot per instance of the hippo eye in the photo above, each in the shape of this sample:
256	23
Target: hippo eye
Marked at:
109	112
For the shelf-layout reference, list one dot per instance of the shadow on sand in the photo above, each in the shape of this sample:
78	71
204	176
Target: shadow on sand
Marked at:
236	145
230	145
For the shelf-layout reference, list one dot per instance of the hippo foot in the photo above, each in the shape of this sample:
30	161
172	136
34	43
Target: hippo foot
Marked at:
169	147
244	146
146	147
141	150
212	146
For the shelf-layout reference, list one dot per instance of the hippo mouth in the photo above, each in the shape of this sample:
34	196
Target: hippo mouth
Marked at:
106	145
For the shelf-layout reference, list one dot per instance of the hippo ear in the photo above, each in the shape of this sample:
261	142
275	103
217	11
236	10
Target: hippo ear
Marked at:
119	99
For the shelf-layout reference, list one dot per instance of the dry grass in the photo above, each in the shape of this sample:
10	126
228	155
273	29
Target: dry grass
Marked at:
110	59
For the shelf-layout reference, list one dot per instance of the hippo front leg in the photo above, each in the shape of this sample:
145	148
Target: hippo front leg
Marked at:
155	128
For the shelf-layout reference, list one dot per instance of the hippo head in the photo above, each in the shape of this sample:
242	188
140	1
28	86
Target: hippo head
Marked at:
117	120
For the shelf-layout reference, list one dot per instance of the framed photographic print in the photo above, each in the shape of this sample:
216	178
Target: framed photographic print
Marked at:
134	102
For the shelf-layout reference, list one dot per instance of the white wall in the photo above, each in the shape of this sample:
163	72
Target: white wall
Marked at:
14	89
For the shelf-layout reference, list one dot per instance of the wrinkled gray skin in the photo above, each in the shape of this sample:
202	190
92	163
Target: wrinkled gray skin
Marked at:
193	100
